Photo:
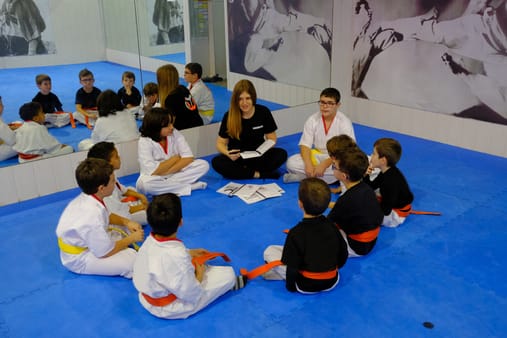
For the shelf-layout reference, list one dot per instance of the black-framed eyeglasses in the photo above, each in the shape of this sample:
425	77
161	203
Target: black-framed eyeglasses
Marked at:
326	103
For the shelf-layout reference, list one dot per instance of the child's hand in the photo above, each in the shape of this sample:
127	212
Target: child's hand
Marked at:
137	236
199	271
143	200
369	170
135	208
133	226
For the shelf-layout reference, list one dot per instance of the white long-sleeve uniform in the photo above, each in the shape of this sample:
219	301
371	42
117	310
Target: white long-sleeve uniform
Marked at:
165	267
151	154
83	224
315	137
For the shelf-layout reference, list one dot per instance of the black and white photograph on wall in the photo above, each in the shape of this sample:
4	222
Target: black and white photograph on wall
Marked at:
167	19
287	41
25	28
443	56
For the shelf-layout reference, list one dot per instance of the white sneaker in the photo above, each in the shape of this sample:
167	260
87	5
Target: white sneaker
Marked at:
290	178
199	185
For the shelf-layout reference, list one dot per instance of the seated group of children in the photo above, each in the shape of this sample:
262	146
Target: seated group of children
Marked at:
173	281
31	140
112	115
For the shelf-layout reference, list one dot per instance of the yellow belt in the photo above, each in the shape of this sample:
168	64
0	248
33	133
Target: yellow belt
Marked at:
70	249
313	156
207	112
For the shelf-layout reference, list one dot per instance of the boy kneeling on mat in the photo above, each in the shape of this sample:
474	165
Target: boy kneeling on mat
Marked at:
173	282
314	249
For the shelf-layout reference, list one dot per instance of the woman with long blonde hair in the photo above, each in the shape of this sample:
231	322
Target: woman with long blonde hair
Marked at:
177	98
246	126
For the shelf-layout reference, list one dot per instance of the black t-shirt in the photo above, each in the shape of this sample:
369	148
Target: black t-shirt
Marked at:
394	189
182	105
133	99
314	245
50	102
252	129
87	100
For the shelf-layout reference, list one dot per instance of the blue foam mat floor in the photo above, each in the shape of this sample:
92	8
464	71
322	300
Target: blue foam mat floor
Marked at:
448	270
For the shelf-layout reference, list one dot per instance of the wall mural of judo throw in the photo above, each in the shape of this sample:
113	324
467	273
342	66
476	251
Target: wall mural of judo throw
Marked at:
288	41
445	56
24	28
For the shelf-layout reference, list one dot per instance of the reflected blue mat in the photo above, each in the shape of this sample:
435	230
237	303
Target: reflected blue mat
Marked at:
448	270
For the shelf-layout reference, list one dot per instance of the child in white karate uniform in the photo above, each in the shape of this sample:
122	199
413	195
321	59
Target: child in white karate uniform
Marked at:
166	161
86	247
33	141
124	201
171	284
114	124
7	137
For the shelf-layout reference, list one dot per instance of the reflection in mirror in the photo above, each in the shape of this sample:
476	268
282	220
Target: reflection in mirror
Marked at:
160	29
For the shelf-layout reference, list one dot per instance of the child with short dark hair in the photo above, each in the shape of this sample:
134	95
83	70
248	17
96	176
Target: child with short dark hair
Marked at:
86	99
51	105
86	247
393	190
166	161
150	99
356	212
336	146
33	141
171	284
313	159
124	201
129	95
114	124
314	249
200	92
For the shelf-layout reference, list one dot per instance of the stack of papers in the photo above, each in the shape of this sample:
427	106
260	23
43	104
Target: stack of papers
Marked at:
251	193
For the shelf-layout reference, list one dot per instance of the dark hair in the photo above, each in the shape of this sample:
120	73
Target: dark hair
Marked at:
84	72
331	93
354	164
129	75
29	110
164	214
92	173
108	103
153	122
315	195
336	145
41	78
150	88
390	149
103	150
194	68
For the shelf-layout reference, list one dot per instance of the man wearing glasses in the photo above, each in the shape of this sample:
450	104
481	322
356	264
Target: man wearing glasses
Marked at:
313	159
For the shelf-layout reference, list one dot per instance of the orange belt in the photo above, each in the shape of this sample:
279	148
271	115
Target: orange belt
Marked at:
259	270
209	256
268	266
366	236
319	275
27	156
162	301
403	212
166	300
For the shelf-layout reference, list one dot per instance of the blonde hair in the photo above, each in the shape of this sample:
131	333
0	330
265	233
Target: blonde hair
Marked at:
234	117
168	81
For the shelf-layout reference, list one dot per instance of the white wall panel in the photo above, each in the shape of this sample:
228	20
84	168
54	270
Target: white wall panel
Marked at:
25	180
9	192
